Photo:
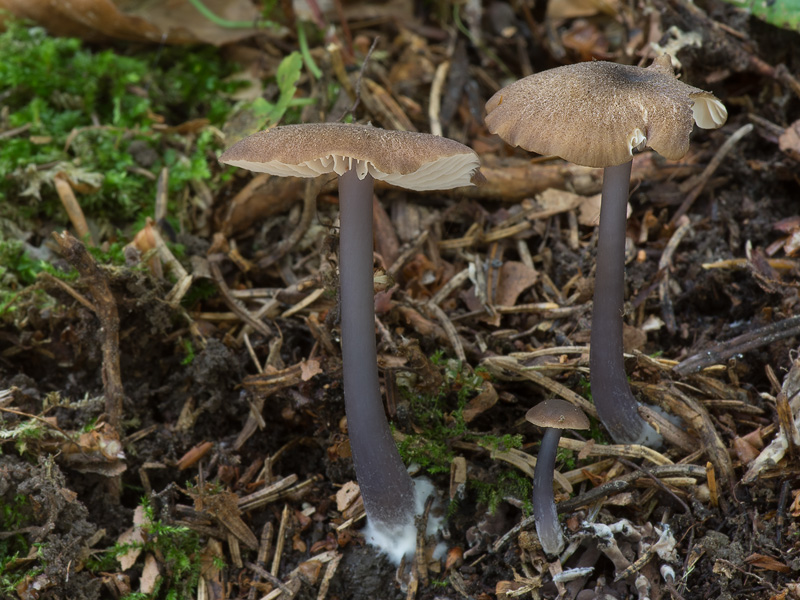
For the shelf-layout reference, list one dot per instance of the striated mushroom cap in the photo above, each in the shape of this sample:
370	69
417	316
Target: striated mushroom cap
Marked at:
558	414
416	161
596	113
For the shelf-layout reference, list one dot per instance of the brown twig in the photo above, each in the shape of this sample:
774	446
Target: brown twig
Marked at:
234	304
105	308
713	165
622	483
658	482
718	354
357	89
72	207
664	265
312	189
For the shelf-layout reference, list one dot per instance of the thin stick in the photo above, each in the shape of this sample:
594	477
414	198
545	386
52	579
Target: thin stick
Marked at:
713	165
757	338
658	482
276	561
711	478
664	264
435	101
357	101
73	208
234	304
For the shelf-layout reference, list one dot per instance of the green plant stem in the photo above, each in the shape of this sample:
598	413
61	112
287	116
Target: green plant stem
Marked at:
228	24
302	41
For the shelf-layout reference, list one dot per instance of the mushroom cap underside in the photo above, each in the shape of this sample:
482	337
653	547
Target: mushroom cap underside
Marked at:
558	414
417	161
596	113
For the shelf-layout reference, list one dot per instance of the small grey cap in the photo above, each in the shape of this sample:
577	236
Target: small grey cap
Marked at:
558	414
416	161
597	113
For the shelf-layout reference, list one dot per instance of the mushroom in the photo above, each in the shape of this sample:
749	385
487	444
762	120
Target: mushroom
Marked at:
554	416
358	154
596	114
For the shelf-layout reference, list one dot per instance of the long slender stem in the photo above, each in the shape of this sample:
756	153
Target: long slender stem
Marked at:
612	396
544	506
386	487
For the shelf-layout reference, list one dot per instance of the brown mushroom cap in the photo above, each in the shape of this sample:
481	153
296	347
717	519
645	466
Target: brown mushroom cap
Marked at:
417	161
596	113
558	414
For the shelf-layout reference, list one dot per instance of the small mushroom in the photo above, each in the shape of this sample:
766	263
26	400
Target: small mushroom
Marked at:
596	114
358	154
554	416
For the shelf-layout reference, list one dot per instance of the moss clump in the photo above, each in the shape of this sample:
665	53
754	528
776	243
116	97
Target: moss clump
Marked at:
94	115
508	484
440	416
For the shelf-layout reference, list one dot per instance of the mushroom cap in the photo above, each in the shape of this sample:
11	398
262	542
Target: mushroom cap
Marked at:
596	113
417	161
558	414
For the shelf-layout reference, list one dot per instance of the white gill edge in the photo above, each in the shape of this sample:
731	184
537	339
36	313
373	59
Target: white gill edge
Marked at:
444	173
708	112
636	140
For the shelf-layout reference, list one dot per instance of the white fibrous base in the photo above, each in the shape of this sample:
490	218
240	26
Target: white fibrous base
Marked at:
399	542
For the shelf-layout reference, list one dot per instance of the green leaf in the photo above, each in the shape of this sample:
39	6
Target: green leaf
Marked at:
260	114
780	13
287	76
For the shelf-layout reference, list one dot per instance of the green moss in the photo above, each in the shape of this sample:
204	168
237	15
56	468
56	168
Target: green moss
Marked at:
508	484
84	108
22	434
501	442
178	548
439	416
14	515
566	458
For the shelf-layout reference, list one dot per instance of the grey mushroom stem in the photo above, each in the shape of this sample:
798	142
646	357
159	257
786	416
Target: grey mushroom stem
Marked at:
544	507
616	406
386	487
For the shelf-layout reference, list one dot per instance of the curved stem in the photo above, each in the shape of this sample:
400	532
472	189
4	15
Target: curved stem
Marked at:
616	406
386	487
544	506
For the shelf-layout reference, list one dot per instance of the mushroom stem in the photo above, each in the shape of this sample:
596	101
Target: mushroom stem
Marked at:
616	406
386	487
544	506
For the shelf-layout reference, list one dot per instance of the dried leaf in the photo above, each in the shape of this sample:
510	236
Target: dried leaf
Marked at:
589	211
309	368
762	561
485	400
745	452
346	495
175	22
789	142
515	278
553	199
150	575
133	536
794	509
569	9
633	338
